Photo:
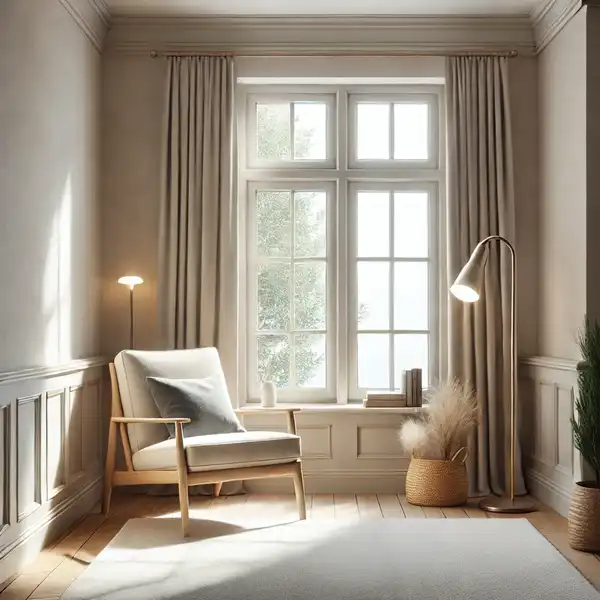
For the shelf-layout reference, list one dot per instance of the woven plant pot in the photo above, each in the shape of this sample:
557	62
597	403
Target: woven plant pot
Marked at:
438	482
584	517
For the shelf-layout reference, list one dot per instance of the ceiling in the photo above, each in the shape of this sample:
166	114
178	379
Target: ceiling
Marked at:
321	7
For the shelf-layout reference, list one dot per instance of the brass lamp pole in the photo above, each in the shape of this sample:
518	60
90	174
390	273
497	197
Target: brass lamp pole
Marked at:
467	288
131	281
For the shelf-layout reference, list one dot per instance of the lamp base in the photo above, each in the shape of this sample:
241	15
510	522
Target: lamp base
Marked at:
499	504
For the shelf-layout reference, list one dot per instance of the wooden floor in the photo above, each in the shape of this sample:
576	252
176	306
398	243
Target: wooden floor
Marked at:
62	562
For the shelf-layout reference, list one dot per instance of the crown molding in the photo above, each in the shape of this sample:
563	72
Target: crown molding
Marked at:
549	17
320	34
92	17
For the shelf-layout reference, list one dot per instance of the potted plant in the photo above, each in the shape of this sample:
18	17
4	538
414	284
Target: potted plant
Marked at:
437	443
584	514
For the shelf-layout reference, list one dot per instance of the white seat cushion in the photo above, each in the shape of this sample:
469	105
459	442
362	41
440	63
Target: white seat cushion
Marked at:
222	451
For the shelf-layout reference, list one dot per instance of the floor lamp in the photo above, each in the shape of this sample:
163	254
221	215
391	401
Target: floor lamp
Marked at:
467	288
131	281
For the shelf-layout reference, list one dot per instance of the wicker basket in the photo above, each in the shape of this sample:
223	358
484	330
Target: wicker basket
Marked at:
584	517
438	482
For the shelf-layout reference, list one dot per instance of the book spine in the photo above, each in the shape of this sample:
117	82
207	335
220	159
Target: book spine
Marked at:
408	386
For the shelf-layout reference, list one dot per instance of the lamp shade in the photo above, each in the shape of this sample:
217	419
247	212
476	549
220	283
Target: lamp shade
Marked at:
130	280
467	286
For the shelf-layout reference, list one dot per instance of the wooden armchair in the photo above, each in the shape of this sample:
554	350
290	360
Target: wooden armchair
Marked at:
152	457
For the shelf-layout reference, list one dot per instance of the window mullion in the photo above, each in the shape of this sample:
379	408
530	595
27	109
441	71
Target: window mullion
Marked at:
292	133
293	382
391	291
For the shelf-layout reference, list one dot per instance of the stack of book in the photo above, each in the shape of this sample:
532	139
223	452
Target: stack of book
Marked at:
384	400
413	386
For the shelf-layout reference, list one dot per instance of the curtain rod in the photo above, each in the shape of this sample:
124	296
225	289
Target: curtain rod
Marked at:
507	54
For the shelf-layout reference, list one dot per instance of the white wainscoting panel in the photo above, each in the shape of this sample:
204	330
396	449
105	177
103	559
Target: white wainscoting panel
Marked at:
345	449
547	389
52	430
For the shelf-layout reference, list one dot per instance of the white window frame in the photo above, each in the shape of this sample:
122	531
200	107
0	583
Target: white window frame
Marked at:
343	173
254	162
433	291
408	96
326	394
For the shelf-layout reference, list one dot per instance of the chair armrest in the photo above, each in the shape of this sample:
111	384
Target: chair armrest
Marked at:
290	414
149	420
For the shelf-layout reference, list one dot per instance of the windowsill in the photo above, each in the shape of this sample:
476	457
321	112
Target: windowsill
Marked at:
354	408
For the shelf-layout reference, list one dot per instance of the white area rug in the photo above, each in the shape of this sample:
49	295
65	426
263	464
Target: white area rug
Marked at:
438	559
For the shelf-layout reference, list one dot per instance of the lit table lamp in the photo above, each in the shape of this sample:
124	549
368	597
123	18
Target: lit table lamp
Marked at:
131	281
467	288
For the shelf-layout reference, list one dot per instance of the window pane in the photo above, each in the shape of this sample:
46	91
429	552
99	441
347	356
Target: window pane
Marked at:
373	131
310	222
310	295
373	216
310	130
411	131
273	223
274	359
411	236
411	351
410	295
273	296
273	135
373	361
373	296
310	360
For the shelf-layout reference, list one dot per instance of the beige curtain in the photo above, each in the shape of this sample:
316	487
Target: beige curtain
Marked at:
197	248
481	203
197	258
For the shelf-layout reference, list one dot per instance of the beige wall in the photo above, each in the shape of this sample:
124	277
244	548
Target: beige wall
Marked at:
49	161
562	214
133	97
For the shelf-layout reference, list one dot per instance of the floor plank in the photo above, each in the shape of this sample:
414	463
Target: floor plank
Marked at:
368	506
390	506
454	512
410	510
322	507
433	512
345	506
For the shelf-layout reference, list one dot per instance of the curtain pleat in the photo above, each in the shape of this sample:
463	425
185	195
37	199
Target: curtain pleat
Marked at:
481	203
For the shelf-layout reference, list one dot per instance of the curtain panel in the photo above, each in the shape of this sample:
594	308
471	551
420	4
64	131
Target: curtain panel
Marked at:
481	203
197	246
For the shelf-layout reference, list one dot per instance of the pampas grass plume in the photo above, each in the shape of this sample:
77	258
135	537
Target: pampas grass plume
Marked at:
413	437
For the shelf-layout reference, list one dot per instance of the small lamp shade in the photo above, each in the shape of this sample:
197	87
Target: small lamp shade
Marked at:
130	280
467	286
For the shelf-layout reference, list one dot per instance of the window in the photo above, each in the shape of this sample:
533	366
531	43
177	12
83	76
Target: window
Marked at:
339	265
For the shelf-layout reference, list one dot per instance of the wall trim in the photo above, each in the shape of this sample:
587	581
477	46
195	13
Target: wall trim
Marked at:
80	364
549	492
310	35
549	362
549	17
92	17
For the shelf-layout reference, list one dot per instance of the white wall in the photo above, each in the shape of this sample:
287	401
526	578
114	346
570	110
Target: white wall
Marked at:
133	100
49	163
562	210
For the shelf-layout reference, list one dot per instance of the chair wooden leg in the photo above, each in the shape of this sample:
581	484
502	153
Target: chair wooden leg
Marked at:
299	491
184	501
109	469
217	489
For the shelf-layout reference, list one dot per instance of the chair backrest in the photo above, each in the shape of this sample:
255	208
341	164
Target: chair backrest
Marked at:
132	368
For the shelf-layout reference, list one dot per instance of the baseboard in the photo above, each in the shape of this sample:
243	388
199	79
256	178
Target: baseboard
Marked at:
25	549
549	492
336	482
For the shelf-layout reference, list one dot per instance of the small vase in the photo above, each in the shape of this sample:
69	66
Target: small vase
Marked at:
584	517
268	396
